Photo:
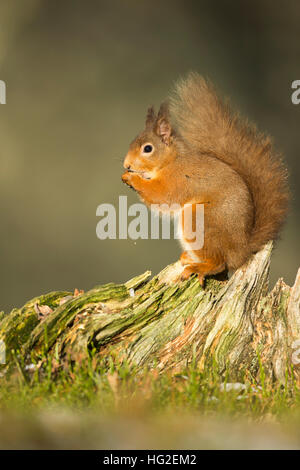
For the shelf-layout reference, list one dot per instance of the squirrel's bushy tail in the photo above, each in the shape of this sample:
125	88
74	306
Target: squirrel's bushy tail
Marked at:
208	125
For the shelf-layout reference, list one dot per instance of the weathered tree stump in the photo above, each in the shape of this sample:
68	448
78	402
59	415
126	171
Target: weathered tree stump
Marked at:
237	325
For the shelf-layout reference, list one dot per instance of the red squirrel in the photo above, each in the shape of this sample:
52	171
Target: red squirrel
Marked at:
216	158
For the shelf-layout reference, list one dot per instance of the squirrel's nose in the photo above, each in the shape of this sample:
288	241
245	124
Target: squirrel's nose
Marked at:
126	166
126	163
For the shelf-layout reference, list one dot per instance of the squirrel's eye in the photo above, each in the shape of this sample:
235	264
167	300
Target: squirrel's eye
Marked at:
148	148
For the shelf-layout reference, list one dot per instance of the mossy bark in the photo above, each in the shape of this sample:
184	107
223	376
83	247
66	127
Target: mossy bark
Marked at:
237	325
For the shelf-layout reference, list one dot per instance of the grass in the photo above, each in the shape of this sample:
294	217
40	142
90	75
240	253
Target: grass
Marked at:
154	410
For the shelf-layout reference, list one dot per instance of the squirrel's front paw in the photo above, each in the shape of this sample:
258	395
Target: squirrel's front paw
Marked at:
126	177
131	179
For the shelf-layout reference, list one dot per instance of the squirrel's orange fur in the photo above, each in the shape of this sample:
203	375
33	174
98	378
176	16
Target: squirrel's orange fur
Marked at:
216	158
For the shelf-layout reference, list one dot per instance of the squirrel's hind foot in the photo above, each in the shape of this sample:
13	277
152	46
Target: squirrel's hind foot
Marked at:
207	268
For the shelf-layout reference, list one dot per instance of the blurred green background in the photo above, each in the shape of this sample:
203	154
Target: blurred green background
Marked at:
79	78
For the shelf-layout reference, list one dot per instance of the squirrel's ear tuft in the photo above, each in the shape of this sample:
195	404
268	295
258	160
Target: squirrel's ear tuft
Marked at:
150	118
163	127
